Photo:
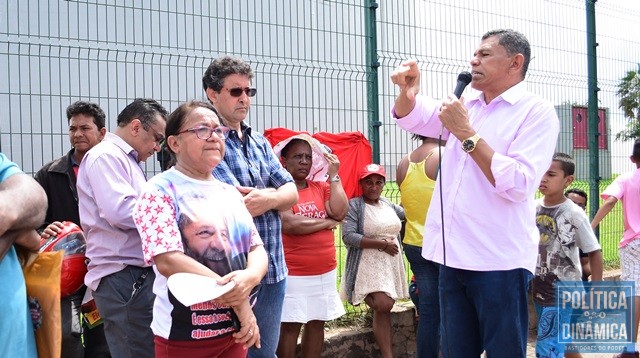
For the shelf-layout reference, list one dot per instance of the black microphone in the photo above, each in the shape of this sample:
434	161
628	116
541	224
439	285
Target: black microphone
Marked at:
464	78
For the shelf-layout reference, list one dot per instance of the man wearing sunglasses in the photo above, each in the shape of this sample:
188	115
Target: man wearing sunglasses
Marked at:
250	164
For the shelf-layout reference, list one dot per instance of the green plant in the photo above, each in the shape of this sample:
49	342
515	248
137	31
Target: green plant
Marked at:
629	92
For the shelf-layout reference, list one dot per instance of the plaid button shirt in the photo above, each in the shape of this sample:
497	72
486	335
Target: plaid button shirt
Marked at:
253	163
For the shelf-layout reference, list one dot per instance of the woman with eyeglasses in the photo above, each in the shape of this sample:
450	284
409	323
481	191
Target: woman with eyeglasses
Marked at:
190	222
374	270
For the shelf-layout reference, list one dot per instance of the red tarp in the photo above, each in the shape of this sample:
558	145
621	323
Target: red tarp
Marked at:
352	148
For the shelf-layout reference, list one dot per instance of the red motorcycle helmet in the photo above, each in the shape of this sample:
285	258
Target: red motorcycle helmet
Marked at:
71	239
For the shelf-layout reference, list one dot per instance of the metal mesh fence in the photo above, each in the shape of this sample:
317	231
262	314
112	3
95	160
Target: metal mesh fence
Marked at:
442	36
310	63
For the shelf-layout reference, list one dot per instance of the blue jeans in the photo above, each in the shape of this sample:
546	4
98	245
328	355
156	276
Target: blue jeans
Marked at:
268	312
484	311
426	272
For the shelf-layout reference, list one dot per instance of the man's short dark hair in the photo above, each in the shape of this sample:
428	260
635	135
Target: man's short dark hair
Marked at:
578	192
144	109
515	43
567	164
222	67
636	150
88	109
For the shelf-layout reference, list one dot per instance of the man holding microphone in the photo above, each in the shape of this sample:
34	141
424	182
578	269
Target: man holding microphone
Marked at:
499	144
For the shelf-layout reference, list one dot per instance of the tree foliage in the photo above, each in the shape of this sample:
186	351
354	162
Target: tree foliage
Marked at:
629	92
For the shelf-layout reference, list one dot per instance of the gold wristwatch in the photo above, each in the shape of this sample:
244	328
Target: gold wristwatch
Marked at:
469	144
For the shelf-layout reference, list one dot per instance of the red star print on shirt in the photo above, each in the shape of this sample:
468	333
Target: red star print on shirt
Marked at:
158	226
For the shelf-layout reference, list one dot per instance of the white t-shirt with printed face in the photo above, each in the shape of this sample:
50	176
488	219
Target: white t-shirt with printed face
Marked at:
206	220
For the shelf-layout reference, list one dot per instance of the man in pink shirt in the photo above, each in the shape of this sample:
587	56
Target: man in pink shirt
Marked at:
499	144
626	188
109	181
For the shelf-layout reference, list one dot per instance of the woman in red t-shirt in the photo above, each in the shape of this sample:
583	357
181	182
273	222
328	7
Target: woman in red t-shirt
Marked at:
311	297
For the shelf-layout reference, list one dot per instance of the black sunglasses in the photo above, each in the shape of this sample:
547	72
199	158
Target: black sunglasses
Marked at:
237	91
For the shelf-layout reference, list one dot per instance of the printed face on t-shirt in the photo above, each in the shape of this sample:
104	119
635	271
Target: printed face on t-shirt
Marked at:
206	239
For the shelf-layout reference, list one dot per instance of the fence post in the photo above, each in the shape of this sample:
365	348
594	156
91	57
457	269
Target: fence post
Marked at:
372	65
592	111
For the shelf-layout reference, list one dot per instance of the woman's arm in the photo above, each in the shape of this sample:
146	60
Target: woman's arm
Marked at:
172	262
175	261
386	245
399	211
293	224
351	236
245	280
338	204
249	333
